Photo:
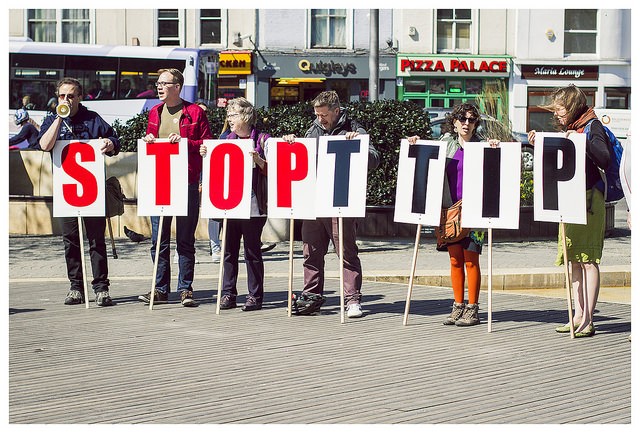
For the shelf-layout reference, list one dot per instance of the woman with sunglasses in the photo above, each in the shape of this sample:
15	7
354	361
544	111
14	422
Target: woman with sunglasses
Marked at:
584	242
459	130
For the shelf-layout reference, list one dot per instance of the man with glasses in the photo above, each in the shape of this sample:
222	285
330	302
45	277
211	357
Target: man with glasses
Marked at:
331	119
86	125
174	119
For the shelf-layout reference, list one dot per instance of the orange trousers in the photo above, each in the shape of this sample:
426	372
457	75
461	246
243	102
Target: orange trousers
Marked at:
460	260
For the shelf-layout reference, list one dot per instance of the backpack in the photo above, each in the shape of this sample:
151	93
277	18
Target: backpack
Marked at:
610	183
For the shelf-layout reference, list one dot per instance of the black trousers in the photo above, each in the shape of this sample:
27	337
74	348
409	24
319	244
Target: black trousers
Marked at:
94	231
250	231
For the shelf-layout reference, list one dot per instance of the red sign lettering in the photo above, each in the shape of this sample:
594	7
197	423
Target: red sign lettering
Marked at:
287	173
163	152
233	154
85	178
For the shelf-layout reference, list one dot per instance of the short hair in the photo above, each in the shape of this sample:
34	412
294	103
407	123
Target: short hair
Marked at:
177	75
571	98
328	98
72	82
244	108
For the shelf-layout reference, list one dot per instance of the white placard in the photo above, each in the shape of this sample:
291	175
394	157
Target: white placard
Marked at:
420	181
341	185
559	180
491	185
78	178
163	178
227	172
292	178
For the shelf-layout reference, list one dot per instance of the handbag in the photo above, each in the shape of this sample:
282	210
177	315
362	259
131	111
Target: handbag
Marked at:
450	229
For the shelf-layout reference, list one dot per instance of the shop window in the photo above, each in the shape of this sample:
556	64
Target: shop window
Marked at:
415	86
168	27
474	87
210	26
616	98
455	86
328	28
453	30
59	25
438	86
580	31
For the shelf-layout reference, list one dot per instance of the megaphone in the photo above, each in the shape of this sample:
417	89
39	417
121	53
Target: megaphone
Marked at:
63	110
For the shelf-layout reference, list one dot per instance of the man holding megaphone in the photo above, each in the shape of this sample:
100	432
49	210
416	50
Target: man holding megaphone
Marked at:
73	121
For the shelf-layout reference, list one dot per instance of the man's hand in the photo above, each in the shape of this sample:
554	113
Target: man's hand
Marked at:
107	145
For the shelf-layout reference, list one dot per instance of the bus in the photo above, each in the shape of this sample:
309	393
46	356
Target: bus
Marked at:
118	81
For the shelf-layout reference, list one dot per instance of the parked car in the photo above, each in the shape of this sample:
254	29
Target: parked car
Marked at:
438	116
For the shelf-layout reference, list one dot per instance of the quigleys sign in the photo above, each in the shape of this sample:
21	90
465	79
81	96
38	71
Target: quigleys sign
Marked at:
327	68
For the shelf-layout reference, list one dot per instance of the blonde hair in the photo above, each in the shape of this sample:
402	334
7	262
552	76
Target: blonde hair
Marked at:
570	98
244	108
177	75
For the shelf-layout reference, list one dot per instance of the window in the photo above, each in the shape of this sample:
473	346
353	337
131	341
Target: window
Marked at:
210	26
59	25
454	30
617	97
580	31
168	27
328	28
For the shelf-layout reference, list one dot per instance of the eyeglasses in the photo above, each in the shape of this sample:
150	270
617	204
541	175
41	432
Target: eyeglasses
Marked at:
561	116
463	118
164	83
69	96
230	115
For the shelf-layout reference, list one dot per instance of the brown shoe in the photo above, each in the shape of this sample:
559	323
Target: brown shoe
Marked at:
469	316
251	304
456	313
186	297
158	298
227	302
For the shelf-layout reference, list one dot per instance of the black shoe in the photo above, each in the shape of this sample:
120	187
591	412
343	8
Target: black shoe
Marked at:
74	297
306	304
267	247
251	304
186	297
103	299
227	302
135	237
159	298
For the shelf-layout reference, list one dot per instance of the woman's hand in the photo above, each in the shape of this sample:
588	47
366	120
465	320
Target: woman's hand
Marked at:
257	159
414	139
290	138
531	136
494	143
149	138
203	150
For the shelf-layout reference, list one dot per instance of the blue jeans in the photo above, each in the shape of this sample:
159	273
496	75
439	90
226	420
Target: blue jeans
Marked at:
185	241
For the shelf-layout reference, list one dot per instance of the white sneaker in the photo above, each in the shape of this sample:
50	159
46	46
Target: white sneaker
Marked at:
215	257
354	311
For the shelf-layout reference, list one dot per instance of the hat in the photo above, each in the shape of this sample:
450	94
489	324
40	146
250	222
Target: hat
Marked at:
21	115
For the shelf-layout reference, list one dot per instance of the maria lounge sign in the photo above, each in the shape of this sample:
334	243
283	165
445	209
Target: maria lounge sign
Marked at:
559	72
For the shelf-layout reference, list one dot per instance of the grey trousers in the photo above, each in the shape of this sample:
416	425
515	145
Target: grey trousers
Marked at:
315	237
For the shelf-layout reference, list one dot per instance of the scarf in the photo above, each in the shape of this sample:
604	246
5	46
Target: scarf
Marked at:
579	124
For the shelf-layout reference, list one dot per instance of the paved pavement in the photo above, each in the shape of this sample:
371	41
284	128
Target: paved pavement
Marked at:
515	265
126	364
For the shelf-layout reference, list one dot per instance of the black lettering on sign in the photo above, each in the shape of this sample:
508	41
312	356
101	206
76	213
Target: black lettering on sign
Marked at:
551	174
343	150
423	154
491	182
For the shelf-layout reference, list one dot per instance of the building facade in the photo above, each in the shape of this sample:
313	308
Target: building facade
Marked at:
433	57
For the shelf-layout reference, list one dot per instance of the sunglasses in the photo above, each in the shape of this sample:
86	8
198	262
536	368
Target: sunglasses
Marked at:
463	118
